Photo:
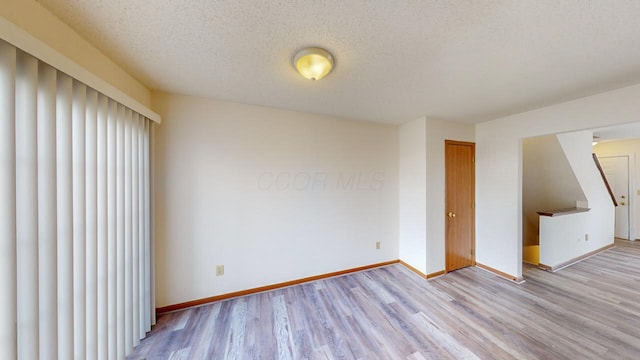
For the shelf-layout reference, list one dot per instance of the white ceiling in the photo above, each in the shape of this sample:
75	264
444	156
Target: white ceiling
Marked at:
618	132
396	60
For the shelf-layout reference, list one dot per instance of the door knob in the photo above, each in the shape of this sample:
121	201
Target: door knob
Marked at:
451	214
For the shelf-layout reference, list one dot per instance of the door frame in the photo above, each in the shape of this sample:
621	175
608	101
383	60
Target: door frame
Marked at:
631	190
473	195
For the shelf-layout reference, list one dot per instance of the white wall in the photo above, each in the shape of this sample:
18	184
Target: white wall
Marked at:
272	195
413	197
630	148
548	183
563	238
422	197
499	167
437	132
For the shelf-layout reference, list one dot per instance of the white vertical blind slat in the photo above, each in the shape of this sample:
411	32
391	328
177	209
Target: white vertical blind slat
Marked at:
112	273
149	236
47	212
102	228
128	300
64	162
8	304
141	248
120	284
91	181
27	206
135	333
148	306
79	220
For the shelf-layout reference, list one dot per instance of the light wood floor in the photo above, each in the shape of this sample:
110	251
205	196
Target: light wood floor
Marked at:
590	310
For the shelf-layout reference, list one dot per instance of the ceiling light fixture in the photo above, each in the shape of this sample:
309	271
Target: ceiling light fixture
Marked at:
313	63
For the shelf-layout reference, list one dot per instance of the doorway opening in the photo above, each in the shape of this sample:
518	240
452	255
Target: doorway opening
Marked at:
616	170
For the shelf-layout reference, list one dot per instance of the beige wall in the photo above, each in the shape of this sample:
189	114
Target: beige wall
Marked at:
272	195
41	24
413	194
548	183
563	238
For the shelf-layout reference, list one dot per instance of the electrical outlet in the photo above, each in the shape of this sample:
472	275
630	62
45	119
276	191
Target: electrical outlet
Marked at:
586	237
219	270
378	245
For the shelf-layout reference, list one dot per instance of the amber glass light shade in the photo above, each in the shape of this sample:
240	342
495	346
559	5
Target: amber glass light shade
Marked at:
313	63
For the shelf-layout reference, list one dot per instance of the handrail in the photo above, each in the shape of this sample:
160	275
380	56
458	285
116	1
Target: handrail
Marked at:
565	211
604	178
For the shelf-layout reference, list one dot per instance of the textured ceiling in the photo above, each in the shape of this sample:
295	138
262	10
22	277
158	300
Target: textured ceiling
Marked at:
396	60
619	132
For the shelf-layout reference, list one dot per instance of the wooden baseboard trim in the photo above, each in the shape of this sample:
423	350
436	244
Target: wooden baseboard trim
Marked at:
517	280
545	267
193	303
422	275
436	274
567	263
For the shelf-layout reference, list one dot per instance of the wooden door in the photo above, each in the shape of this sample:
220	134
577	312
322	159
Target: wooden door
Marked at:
616	169
459	204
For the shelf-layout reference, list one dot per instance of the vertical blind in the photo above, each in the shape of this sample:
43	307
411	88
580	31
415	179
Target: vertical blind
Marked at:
74	217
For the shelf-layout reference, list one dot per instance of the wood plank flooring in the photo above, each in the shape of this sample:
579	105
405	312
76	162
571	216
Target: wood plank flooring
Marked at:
590	310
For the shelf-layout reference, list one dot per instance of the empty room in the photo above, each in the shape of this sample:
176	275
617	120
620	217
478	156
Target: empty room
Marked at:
203	179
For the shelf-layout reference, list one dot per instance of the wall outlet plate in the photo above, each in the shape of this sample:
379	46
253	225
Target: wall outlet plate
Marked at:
378	245
219	270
